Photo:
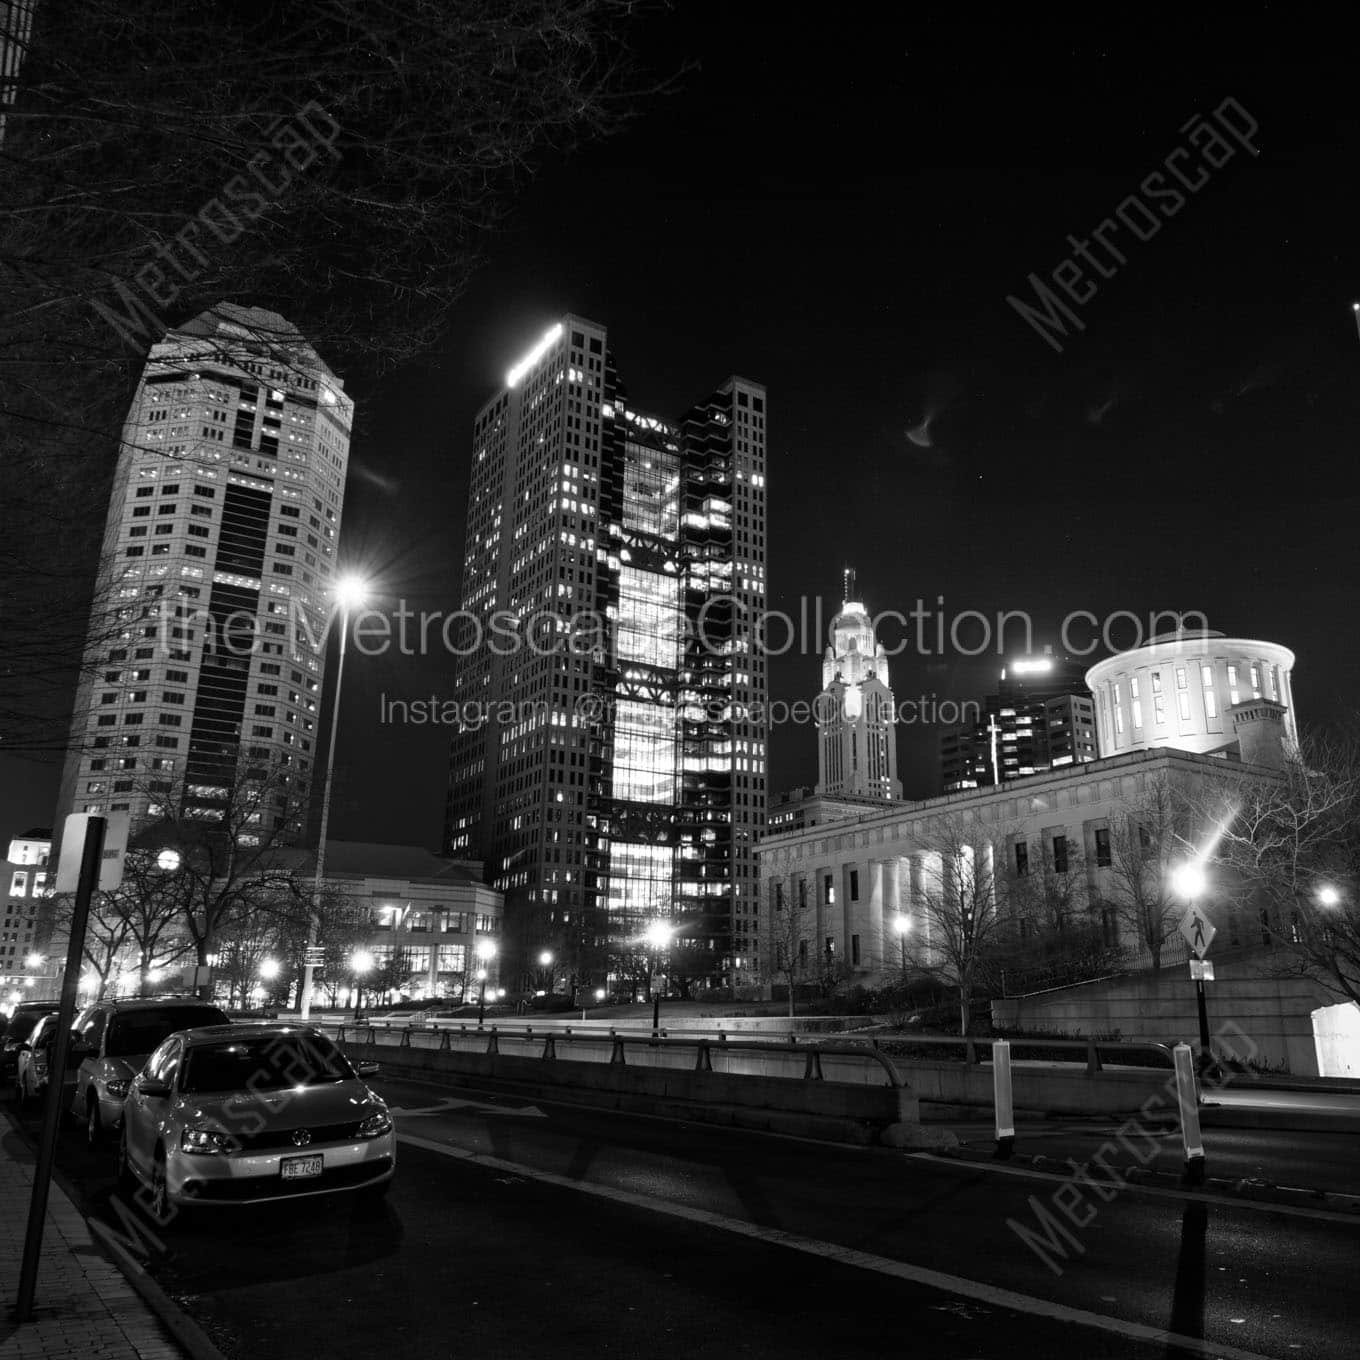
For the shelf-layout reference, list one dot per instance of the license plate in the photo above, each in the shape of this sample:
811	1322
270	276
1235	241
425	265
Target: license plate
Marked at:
301	1168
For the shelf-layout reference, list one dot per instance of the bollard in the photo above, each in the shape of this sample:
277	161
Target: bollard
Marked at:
1003	1099
1187	1096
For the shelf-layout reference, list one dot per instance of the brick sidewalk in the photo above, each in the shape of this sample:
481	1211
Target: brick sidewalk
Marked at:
84	1309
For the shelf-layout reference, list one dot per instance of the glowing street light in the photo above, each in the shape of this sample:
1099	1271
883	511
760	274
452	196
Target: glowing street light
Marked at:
270	969
902	925
486	951
168	861
658	934
1329	896
599	993
545	959
360	962
34	961
349	592
1188	880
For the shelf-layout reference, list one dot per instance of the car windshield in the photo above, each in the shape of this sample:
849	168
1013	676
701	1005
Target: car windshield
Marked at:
21	1026
136	1032
268	1062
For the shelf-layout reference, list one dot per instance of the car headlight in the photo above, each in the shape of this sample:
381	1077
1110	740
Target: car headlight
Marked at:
376	1125
206	1141
118	1089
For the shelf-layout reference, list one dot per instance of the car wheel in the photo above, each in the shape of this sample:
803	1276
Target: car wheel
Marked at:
94	1126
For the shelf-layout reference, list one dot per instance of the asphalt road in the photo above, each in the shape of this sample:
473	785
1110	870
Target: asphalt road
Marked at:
573	1232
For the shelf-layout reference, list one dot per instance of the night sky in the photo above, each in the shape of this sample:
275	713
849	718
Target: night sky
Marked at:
841	215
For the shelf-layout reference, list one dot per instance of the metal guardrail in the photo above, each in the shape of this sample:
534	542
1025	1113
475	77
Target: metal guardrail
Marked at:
618	1043
978	1052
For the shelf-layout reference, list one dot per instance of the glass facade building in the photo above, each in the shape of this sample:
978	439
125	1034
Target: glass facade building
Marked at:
614	569
206	640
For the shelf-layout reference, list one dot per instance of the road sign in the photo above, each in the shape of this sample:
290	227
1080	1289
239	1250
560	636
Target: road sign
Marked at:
1199	931
314	955
1201	970
73	845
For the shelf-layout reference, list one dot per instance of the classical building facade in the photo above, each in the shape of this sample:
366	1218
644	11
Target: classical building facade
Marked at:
26	970
206	639
614	567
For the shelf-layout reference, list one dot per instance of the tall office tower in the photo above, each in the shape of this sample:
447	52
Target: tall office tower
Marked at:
614	566
206	640
1042	717
857	754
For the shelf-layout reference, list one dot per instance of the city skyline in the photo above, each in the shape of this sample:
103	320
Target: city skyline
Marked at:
1211	360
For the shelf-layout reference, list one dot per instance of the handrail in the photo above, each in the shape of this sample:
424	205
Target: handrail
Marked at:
620	1043
976	1052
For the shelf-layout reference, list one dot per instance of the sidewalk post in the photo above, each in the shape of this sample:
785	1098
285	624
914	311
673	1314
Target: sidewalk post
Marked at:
90	860
1187	1096
1005	1108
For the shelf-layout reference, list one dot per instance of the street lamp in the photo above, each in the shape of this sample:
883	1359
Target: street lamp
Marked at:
902	925
1189	881
350	592
1329	896
269	969
34	961
359	963
658	935
486	951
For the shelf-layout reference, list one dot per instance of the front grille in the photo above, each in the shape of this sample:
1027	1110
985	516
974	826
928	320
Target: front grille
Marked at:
275	1187
283	1138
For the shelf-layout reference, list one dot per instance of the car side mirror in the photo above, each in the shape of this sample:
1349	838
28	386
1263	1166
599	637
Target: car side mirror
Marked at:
367	1069
152	1089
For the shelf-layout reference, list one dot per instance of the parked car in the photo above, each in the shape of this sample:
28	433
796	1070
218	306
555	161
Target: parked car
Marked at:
21	1024
242	1115
33	1060
112	1041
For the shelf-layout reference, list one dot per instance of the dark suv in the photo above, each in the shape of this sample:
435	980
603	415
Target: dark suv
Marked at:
21	1024
112	1041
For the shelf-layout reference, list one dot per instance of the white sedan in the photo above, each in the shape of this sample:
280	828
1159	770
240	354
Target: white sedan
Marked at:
224	1116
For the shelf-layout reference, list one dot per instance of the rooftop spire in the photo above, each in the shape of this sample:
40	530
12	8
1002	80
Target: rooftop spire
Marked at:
849	575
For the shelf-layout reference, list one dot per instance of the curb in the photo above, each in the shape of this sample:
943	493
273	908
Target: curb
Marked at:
190	1337
187	1334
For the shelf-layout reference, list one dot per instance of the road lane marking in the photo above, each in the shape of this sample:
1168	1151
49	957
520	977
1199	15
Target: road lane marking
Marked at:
848	1256
1260	1206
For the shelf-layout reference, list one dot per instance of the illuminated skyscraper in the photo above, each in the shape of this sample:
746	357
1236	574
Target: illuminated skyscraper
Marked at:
614	565
206	640
1041	718
857	751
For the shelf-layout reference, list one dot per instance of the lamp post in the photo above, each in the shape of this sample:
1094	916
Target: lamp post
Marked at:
1329	896
1189	881
902	925
486	951
359	963
658	935
350	592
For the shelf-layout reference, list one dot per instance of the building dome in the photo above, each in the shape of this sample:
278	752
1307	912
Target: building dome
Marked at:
1190	690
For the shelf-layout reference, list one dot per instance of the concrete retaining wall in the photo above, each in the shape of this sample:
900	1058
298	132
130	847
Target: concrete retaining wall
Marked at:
833	1110
1273	1012
1042	1088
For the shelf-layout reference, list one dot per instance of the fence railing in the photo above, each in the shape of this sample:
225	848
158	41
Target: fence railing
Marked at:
783	1051
860	1063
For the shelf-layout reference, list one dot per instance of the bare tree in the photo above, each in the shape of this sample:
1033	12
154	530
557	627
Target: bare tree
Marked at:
963	930
1050	894
1290	852
341	162
787	954
226	866
1150	835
